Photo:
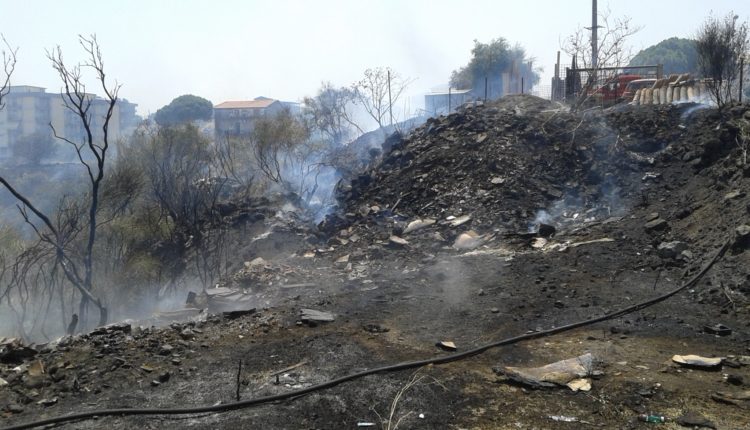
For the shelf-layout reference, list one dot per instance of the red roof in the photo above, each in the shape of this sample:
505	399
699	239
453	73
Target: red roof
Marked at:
246	104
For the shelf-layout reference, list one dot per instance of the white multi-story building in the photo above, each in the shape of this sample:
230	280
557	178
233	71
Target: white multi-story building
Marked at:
31	110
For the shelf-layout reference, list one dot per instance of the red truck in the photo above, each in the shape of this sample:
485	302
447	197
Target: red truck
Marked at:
612	91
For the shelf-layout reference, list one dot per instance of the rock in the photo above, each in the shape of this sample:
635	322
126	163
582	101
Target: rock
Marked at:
166	349
164	377
694	420
187	334
468	240
398	242
671	249
546	230
375	328
656	225
497	180
735	379
13	408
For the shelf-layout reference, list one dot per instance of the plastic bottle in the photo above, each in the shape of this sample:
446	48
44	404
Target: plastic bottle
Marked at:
652	418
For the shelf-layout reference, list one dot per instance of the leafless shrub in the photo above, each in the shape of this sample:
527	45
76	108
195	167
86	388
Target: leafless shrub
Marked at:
721	43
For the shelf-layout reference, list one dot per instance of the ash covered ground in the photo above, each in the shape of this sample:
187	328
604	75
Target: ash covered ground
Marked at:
495	221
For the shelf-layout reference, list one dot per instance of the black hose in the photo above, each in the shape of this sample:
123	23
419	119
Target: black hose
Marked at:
391	368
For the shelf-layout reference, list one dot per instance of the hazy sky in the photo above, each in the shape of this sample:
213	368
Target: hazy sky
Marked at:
234	50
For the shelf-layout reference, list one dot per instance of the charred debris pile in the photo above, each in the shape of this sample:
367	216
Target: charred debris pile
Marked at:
508	167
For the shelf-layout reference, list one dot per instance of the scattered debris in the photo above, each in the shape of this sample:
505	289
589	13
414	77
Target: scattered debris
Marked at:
36	368
446	345
375	328
717	329
652	418
418	224
47	402
657	224
697	361
563	418
232	315
457	221
13	350
590	242
742	237
469	240
571	373
694	420
119	327
739	398
734	195
397	241
312	316
671	249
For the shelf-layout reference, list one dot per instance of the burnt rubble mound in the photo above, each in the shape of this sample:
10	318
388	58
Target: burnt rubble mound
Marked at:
503	162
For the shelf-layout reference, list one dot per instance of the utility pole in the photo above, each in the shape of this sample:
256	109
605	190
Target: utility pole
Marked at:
485	89
594	41
742	74
390	102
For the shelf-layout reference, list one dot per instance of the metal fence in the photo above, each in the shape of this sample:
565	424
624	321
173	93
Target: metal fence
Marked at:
603	85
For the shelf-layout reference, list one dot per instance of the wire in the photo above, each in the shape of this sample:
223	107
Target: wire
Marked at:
391	368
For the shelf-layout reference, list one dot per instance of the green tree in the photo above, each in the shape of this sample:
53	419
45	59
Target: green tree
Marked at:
273	141
675	54
33	148
184	109
489	61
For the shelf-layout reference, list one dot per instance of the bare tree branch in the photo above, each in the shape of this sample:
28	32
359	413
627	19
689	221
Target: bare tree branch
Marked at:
9	66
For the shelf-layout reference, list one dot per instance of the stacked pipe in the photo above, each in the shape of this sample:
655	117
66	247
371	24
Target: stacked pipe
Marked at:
674	89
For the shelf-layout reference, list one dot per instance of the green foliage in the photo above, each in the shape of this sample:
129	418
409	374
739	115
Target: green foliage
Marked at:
490	61
274	139
184	109
34	148
676	54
